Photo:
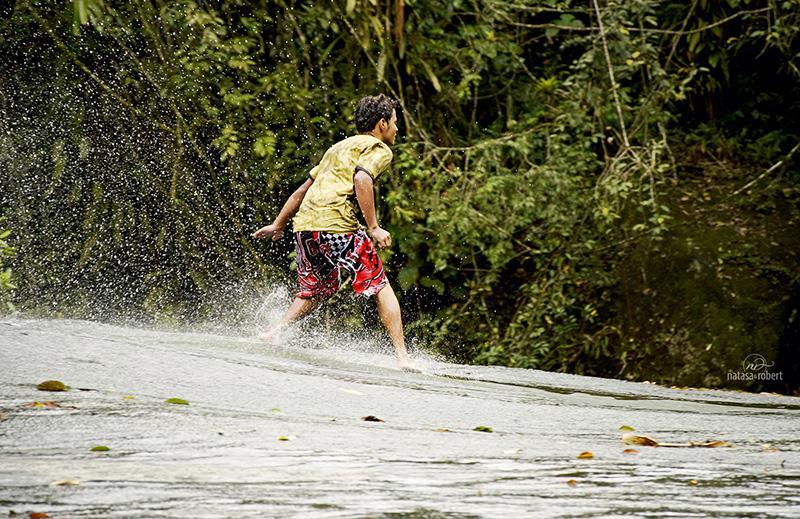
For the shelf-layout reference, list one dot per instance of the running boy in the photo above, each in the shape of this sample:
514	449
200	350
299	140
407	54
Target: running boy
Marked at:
329	240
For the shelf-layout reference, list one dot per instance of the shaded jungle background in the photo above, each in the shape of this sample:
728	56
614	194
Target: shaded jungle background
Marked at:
604	187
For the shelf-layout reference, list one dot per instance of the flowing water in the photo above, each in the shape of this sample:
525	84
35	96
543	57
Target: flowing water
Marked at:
278	432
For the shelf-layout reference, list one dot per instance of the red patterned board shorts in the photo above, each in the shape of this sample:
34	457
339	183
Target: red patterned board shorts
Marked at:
324	260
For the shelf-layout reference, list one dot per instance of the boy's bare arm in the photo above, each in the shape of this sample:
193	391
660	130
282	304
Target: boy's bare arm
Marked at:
275	229
366	201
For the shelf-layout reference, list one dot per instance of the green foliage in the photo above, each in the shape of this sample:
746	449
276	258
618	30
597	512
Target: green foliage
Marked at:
6	279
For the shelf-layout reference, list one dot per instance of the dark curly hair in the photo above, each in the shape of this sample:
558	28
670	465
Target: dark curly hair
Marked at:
371	109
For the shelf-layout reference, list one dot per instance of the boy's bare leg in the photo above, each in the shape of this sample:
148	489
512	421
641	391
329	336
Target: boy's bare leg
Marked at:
298	309
389	311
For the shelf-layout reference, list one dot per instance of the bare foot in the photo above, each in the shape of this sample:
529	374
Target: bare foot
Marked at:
408	367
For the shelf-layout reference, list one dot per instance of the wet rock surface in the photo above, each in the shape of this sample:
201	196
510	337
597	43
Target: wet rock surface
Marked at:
279	432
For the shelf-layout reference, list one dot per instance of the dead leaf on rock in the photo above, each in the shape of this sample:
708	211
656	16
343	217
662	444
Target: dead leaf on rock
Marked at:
66	483
442	429
707	444
371	418
585	455
712	444
52	385
633	439
483	428
38	515
48	404
630	451
36	405
571	482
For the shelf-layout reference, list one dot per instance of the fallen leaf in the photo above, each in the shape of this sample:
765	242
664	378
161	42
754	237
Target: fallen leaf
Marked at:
275	410
442	429
283	438
52	385
100	448
128	397
66	482
630	451
586	455
693	482
49	404
633	439
177	401
38	515
626	428
371	418
483	428
711	444
571	482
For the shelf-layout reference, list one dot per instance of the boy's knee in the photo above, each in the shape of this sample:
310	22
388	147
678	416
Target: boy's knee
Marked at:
385	291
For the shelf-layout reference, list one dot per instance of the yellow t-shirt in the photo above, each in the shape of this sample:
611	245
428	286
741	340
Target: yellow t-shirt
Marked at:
330	202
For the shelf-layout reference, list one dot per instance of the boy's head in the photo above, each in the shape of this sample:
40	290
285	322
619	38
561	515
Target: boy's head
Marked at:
377	116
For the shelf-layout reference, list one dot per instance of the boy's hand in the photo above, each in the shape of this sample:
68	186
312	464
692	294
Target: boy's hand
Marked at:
275	231
381	237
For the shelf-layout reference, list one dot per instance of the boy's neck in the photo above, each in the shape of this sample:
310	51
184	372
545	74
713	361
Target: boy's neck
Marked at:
371	133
